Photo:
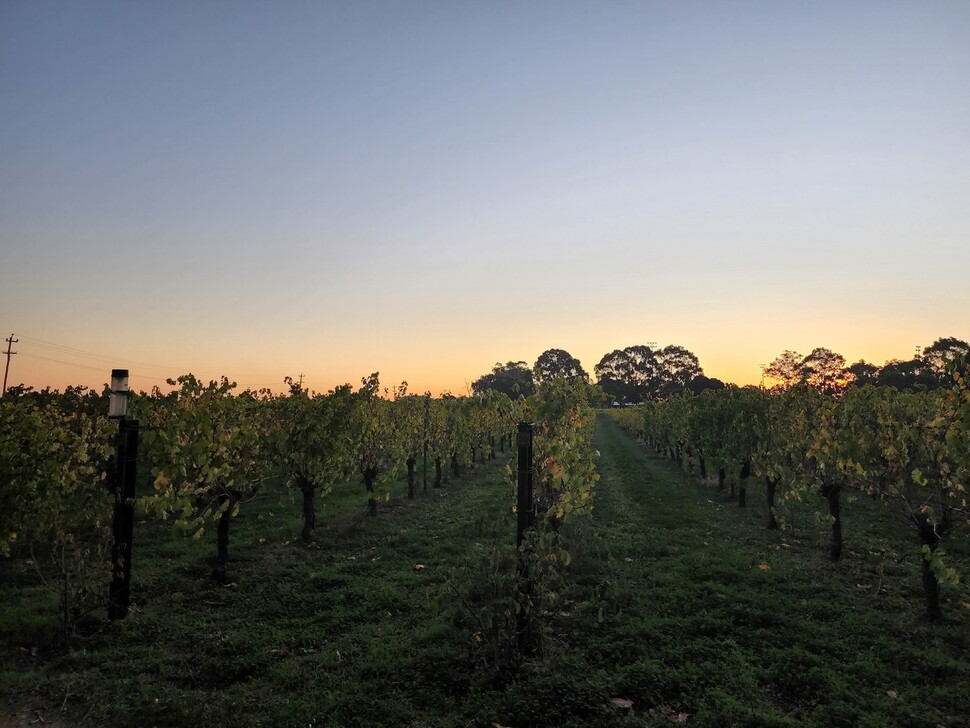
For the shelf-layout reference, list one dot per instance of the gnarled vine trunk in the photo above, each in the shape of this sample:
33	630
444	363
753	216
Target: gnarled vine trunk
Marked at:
411	476
309	509
230	496
832	493
370	476
437	471
770	485
743	484
928	536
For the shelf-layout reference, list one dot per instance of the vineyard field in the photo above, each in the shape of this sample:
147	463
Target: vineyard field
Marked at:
676	600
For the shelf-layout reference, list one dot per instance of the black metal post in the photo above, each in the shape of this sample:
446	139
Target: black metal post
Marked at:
524	505
119	593
427	416
524	511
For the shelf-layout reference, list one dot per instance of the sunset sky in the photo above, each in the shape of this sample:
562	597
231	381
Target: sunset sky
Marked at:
427	188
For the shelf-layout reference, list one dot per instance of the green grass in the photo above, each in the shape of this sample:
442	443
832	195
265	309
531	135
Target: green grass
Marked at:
668	604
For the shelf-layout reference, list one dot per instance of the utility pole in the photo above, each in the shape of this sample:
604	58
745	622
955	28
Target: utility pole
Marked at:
301	381
10	342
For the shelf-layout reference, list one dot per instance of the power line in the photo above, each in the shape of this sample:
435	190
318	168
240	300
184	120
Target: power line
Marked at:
61	361
83	354
164	371
87	366
160	380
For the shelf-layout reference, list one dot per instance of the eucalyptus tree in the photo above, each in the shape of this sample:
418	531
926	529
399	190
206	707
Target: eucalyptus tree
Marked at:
554	363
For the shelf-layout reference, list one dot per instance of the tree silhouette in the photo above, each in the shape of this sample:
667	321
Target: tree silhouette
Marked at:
787	367
554	363
862	373
937	355
824	370
638	372
512	378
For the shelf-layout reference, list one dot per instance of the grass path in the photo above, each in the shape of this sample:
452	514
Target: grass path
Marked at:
731	624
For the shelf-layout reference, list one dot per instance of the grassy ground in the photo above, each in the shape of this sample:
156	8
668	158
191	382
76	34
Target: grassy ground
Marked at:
677	601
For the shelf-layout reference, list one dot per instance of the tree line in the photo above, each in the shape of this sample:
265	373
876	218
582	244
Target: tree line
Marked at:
645	373
828	372
634	374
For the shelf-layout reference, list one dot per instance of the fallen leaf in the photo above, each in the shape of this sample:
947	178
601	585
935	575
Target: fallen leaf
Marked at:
418	567
672	715
892	694
622	703
763	566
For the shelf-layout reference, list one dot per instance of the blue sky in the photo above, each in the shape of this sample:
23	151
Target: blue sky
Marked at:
428	188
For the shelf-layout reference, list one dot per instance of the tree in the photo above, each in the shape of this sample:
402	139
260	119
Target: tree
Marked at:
678	367
941	352
628	374
513	378
639	372
787	367
558	363
862	373
824	370
699	383
907	375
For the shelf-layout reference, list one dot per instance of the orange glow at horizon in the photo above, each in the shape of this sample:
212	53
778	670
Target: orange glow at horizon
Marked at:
440	371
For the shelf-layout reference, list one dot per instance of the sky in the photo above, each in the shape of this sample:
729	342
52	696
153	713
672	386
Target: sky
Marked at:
427	188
